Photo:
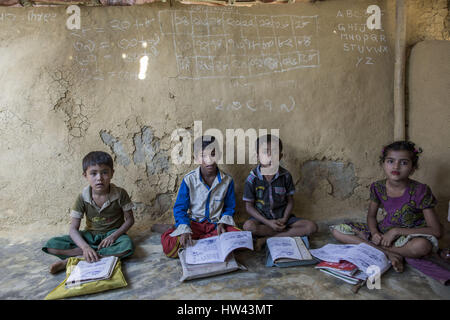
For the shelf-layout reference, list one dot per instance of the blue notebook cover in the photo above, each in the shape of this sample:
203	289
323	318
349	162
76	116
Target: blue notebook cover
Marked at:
270	263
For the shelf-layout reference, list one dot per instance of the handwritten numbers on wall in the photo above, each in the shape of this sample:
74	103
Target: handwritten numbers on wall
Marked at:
265	104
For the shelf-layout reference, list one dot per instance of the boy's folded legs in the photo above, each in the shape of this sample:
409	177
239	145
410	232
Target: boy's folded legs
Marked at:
64	247
302	227
295	227
200	230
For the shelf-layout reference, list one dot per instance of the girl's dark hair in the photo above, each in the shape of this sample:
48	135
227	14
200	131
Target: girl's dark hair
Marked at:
400	146
96	158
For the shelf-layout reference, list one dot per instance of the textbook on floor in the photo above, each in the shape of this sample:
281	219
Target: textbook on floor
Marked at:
87	272
288	252
216	249
368	260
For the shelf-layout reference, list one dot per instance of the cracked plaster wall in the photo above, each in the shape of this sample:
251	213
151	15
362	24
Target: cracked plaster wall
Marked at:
58	103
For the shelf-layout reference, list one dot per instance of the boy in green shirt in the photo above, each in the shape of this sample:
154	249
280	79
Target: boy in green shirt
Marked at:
109	216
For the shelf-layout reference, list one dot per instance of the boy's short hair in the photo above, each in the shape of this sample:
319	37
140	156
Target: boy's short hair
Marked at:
202	142
268	138
402	146
96	158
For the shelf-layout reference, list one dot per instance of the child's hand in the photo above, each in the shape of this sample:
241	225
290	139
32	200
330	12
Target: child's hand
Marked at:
389	237
275	225
283	221
376	238
90	255
186	240
108	241
221	229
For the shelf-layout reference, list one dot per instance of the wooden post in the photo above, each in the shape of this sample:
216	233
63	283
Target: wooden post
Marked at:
399	71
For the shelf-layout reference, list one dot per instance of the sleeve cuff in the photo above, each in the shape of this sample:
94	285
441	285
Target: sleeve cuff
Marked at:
182	228
129	206
227	219
76	214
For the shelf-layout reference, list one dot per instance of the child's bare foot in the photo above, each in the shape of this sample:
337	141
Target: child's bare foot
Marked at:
160	228
396	260
445	254
259	243
58	266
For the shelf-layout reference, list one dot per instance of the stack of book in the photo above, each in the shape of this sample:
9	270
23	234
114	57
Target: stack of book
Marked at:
213	256
350	262
343	270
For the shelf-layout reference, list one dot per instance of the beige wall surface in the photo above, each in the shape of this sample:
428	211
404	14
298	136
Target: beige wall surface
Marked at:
312	70
429	117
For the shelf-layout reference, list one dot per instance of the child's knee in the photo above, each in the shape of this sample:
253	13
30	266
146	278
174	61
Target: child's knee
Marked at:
170	245
313	227
336	234
420	247
310	226
249	225
51	250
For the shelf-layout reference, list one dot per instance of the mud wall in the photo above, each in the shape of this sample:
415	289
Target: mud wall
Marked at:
312	70
429	117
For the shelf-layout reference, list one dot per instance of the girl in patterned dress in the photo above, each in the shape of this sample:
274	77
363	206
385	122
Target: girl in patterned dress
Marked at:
411	227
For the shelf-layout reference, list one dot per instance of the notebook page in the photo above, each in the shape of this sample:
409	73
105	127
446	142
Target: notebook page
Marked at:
283	247
230	241
204	251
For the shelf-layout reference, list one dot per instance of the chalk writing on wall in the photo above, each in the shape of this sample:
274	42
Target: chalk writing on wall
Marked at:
113	51
357	39
267	105
31	17
214	44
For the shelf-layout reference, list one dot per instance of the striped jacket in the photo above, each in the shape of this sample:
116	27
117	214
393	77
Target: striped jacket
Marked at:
198	202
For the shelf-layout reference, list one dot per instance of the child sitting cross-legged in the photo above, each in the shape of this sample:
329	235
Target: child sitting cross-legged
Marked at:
205	204
411	227
108	212
268	196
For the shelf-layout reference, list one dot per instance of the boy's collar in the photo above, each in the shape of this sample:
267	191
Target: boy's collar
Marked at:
113	194
218	175
280	172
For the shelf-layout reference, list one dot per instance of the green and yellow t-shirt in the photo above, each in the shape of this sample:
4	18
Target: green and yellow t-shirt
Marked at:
110	216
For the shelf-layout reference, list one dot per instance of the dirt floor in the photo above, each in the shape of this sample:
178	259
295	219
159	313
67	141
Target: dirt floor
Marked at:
151	275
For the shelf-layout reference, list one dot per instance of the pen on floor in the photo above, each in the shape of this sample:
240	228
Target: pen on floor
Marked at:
358	286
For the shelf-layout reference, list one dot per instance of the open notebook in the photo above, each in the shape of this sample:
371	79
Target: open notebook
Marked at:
288	252
216	249
87	272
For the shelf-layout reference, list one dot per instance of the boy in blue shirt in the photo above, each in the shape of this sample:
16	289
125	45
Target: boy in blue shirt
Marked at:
205	204
268	196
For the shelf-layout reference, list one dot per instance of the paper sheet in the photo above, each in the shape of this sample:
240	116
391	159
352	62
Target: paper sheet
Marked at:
230	241
361	255
204	251
283	247
95	270
216	249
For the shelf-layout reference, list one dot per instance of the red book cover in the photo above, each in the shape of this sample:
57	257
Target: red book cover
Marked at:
343	265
